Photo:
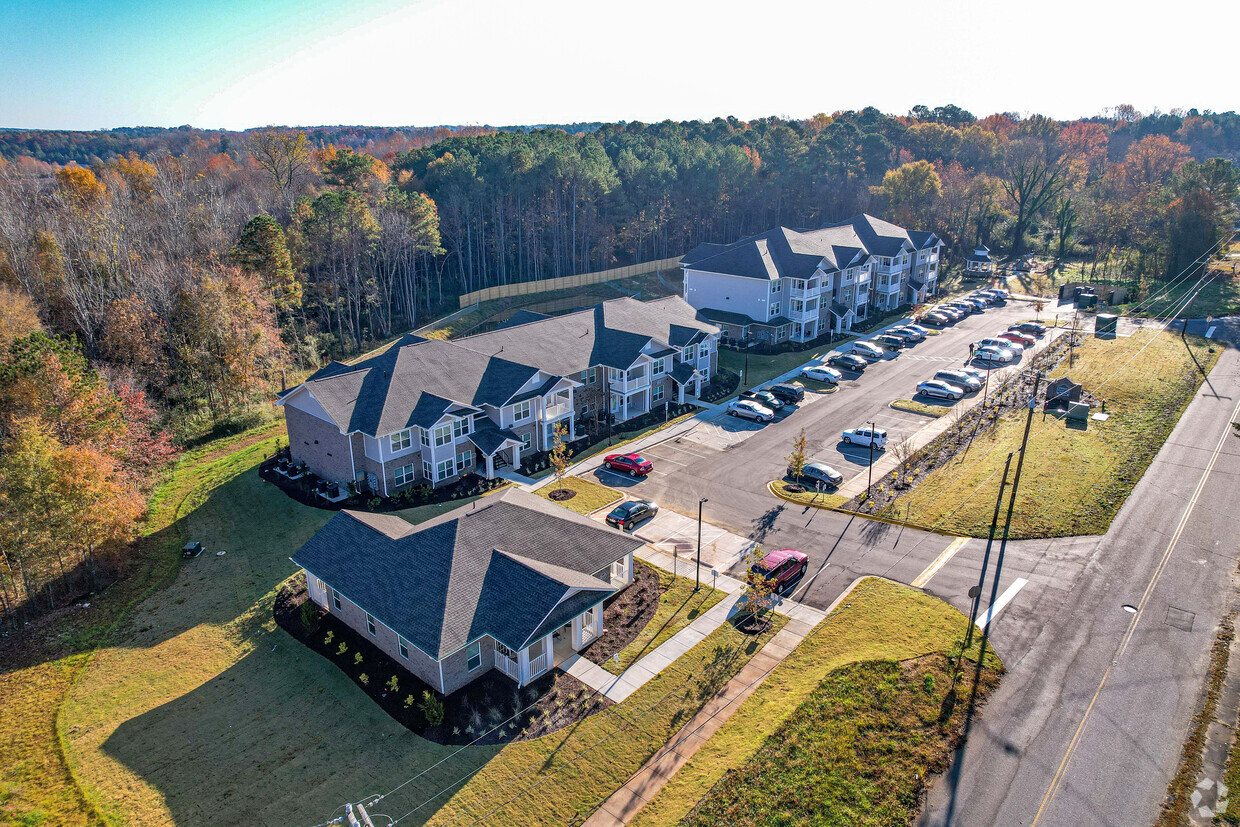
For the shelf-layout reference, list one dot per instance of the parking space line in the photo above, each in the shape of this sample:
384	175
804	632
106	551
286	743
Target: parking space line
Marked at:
1004	599
661	458
939	562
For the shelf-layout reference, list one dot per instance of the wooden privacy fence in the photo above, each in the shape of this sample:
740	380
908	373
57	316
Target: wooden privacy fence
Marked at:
527	288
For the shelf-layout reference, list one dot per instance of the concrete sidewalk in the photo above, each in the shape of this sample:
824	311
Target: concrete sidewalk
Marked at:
619	687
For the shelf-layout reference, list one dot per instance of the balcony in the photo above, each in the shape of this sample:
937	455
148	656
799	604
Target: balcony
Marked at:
807	293
804	314
634	380
891	286
555	411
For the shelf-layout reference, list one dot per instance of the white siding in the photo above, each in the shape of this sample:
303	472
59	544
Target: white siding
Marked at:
735	294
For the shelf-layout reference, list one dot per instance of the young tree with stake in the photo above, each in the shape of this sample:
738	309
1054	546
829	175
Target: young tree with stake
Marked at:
796	460
560	454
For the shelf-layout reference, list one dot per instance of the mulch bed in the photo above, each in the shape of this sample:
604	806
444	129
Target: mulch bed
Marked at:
490	710
562	494
626	614
302	490
1011	396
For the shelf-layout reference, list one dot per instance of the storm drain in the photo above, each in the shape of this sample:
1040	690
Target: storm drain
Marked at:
1180	619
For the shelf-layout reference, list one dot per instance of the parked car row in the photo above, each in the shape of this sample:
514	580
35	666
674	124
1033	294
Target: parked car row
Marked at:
953	311
760	405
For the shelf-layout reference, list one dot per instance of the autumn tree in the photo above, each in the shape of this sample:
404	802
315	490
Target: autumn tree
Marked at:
796	459
263	251
284	155
912	191
80	186
18	316
1032	183
226	338
559	455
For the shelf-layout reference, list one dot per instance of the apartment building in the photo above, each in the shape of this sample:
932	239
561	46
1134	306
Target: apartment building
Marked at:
428	411
796	285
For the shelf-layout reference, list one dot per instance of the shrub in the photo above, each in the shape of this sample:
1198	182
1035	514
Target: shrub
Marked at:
364	679
327	641
310	616
408	701
373	503
928	683
392	685
342	648
357	659
432	708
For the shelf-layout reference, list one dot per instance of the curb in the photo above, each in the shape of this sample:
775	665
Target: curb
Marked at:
896	407
770	486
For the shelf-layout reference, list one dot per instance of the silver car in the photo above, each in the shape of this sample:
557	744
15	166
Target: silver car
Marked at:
942	390
959	378
816	471
748	409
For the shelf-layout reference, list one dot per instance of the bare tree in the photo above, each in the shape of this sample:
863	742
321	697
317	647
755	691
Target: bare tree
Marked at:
284	155
1032	182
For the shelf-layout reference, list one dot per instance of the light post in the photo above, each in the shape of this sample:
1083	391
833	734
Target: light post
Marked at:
697	571
869	492
745	370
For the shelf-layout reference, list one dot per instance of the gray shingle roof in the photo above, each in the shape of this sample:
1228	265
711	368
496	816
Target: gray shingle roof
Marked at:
505	566
490	437
612	333
785	253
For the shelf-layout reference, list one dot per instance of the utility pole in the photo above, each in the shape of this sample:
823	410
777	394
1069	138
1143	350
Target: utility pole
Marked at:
976	592
697	572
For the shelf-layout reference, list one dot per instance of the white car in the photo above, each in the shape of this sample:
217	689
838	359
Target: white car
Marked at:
866	349
1016	347
748	409
941	389
821	373
866	436
993	354
922	330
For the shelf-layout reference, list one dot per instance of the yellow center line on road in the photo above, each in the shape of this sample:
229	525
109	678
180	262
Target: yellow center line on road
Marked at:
939	562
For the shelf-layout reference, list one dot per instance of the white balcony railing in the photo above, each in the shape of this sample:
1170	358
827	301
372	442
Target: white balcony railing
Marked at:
539	665
803	314
552	412
628	385
507	666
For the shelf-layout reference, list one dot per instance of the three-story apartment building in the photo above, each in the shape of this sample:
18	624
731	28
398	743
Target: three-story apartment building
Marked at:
800	284
428	411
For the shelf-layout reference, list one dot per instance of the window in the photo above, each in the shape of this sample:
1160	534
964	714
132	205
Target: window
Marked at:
443	434
704	348
404	647
473	655
427	470
370	625
657	368
336	598
402	440
403	475
521	410
587	377
777	286
812	284
426	437
464	459
460	428
525	441
444	469
657	393
686	353
774	310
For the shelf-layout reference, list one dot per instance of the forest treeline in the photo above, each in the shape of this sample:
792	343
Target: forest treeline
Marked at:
177	277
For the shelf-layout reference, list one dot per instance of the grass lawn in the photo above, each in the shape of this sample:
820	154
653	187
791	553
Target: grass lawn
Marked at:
880	621
1073	481
765	368
920	407
199	710
809	497
590	495
679	605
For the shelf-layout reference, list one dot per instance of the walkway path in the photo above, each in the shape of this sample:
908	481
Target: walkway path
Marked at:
619	687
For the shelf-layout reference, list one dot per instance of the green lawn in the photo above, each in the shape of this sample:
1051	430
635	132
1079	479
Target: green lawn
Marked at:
679	605
590	495
765	368
879	621
920	407
202	711
1074	481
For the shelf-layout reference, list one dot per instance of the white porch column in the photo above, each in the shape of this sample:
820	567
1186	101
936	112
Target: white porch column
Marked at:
628	567
549	651
596	622
697	387
577	627
523	666
516	457
680	392
490	461
624	407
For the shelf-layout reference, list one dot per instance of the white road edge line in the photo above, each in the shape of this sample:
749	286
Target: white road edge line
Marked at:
1004	599
939	562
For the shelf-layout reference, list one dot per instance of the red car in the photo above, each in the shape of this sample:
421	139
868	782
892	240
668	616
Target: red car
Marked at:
1020	338
635	465
782	567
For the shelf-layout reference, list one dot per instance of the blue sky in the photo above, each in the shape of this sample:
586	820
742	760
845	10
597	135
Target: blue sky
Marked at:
244	63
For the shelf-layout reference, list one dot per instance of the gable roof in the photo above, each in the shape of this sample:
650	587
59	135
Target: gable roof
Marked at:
612	333
786	253
505	566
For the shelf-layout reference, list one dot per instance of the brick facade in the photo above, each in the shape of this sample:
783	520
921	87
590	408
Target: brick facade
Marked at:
319	444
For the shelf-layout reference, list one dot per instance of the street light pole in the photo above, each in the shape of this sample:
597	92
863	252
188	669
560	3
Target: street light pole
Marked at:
869	492
697	572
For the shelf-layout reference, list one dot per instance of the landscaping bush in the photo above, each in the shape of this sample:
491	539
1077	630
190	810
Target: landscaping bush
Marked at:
431	707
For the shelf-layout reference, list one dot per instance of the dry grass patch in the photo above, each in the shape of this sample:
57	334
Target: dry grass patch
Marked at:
920	407
810	497
879	620
1074	481
587	495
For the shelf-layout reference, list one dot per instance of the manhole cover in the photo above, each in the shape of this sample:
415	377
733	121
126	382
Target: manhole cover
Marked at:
1180	619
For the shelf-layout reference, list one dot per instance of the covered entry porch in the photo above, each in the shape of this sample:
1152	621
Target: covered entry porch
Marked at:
496	448
551	649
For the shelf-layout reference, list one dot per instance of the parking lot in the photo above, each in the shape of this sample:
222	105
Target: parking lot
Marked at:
729	460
